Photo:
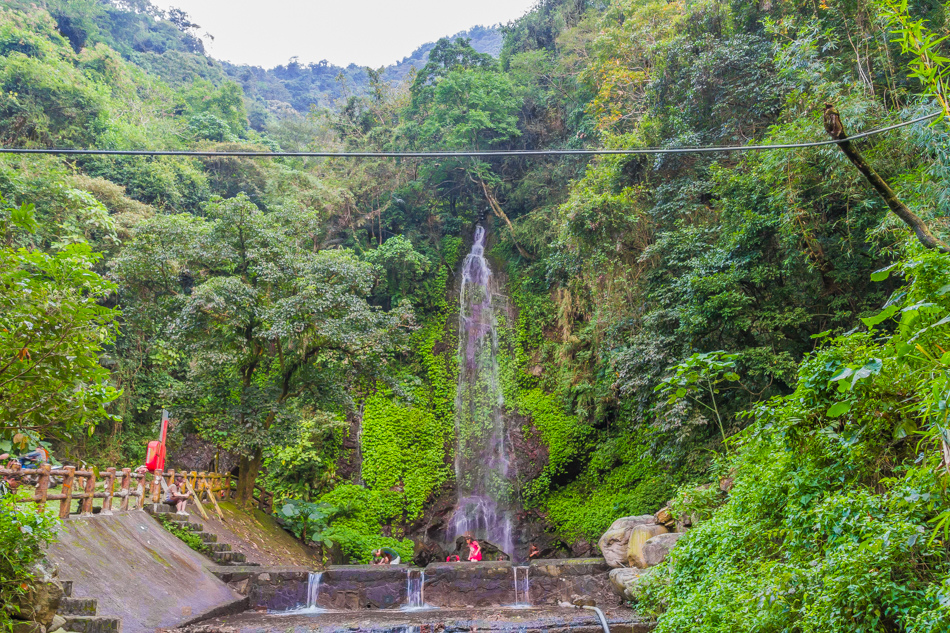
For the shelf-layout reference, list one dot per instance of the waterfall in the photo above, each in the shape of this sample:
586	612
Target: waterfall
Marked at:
522	587
482	452
313	595
415	587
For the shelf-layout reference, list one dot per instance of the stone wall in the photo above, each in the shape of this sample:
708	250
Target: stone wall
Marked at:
270	588
560	580
484	584
353	587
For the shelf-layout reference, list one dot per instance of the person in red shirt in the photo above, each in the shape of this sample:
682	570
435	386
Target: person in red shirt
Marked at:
474	549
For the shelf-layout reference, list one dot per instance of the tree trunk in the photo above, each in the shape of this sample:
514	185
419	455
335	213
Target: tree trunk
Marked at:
243	468
835	129
246	496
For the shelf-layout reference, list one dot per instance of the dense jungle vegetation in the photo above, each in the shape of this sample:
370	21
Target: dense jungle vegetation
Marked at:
672	320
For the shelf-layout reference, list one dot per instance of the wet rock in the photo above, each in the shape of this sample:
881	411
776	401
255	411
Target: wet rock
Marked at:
657	548
638	538
613	543
559	580
241	586
426	552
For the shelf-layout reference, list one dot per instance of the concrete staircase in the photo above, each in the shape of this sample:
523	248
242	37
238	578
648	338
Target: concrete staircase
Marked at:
80	614
219	552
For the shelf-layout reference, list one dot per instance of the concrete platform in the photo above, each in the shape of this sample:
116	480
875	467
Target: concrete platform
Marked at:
548	620
137	571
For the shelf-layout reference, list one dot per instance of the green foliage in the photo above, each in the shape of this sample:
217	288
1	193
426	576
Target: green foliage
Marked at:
189	538
307	521
358	530
52	331
270	328
698	376
303	464
403	448
930	62
620	479
24	536
827	525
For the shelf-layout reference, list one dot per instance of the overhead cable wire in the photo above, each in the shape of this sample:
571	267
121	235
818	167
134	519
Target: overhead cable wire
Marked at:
460	154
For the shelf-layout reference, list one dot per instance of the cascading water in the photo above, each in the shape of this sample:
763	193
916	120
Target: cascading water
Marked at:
482	453
313	595
415	587
522	587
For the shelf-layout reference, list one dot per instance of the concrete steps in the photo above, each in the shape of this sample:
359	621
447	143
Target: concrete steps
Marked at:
77	606
80	614
220	553
92	624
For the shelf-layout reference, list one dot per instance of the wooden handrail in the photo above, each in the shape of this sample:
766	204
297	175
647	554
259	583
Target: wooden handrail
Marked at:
80	485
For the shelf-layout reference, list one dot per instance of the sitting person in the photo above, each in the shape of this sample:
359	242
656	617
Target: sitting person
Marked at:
176	496
453	558
474	549
386	556
533	551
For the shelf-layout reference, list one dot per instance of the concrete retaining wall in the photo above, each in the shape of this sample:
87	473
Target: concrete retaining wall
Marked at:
447	585
558	580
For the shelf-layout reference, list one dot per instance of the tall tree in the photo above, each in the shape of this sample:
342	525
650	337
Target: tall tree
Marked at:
270	331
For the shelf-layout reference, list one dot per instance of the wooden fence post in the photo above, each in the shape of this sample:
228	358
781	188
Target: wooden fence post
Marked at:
67	500
89	494
124	489
143	480
157	486
41	487
227	490
110	489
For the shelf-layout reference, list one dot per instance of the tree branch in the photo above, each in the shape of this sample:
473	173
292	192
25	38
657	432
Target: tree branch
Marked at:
835	129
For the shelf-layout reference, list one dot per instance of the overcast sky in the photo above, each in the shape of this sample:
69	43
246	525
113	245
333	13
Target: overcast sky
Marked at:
365	32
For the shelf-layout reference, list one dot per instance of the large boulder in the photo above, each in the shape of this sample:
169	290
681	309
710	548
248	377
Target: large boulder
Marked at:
638	538
655	550
613	543
627	582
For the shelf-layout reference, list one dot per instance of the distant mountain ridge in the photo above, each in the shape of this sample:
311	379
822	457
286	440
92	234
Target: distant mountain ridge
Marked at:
322	84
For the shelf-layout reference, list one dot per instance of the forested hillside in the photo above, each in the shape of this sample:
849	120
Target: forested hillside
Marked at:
758	321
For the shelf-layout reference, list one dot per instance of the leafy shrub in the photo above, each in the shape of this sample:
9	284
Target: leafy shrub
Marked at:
308	521
358	530
24	535
191	539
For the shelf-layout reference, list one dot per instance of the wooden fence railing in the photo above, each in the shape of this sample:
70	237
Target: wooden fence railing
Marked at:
80	485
